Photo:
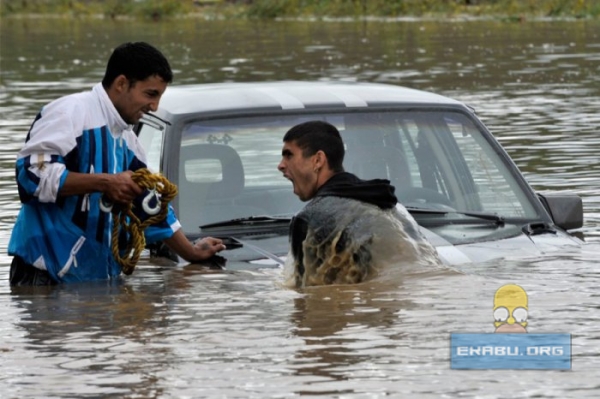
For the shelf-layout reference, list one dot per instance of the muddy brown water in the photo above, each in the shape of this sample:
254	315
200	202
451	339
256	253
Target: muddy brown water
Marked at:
167	332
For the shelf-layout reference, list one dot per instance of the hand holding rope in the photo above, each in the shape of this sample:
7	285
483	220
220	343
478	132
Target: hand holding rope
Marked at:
162	191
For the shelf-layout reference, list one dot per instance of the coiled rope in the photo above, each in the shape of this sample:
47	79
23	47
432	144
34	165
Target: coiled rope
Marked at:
125	219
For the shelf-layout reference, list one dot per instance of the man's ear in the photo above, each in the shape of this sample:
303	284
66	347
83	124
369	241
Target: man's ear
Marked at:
121	83
320	159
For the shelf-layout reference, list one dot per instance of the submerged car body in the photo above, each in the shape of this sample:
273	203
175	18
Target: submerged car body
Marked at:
221	144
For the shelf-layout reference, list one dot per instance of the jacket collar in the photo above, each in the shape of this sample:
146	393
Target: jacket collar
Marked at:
115	123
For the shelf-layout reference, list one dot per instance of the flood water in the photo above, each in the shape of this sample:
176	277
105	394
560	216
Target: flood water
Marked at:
168	332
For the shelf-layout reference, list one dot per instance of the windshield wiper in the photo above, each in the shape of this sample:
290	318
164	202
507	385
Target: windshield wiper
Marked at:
492	217
250	221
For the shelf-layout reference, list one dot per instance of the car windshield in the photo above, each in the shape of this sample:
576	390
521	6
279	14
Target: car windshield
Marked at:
438	160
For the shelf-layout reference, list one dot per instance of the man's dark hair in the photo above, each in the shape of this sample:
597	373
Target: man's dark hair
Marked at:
137	61
316	136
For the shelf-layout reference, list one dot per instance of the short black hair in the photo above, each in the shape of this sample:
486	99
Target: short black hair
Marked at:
313	136
137	61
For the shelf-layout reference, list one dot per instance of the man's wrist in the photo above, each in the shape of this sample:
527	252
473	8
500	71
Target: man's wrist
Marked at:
102	182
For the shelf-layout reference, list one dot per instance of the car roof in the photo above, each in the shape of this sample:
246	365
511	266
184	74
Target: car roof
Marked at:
291	95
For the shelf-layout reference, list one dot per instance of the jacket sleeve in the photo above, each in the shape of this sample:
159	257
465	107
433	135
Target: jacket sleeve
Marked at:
163	230
40	166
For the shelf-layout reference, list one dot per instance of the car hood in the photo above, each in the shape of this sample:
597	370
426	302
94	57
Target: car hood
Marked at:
251	254
519	245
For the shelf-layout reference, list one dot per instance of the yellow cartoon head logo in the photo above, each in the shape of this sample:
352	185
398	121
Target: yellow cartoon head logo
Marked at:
510	309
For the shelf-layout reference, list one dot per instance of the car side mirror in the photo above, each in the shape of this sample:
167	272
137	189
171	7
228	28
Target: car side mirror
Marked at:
566	210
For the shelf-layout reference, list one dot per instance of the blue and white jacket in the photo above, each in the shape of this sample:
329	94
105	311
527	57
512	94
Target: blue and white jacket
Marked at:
69	236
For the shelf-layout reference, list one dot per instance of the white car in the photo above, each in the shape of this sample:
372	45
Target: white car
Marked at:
221	144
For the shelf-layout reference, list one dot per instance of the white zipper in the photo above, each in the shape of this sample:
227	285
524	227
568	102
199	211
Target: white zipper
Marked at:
72	259
115	156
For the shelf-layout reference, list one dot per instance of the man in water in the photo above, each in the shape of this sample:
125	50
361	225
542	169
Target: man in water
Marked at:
349	223
79	148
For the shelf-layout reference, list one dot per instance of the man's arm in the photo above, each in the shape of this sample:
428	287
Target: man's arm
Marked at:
121	188
118	187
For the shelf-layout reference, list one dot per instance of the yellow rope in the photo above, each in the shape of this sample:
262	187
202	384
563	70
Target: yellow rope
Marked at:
126	220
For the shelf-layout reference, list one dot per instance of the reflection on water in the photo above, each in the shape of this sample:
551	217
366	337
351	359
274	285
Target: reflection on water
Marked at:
189	332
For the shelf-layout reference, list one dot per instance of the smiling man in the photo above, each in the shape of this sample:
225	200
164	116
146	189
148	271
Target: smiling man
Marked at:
79	148
349	222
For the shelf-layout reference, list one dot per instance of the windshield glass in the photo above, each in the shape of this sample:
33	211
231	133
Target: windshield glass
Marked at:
435	159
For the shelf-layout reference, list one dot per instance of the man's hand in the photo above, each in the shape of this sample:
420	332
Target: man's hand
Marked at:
121	188
207	247
200	250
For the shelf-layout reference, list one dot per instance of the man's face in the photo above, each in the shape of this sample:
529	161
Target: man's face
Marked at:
299	170
133	101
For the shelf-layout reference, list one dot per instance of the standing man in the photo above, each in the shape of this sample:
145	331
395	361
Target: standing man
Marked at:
351	226
79	148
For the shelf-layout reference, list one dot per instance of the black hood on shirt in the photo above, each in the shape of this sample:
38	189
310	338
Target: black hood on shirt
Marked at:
346	185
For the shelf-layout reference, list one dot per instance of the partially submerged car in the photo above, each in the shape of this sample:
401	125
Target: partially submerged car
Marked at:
221	144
